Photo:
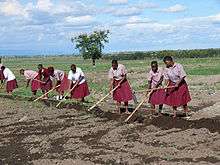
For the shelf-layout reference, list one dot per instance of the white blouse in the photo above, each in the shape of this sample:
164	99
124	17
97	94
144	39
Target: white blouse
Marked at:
75	76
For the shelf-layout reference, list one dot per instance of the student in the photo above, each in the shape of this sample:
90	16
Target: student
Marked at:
45	77
118	76
155	80
77	77
33	77
61	79
10	79
174	75
1	73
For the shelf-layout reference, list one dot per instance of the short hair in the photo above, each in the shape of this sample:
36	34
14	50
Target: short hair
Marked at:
21	70
3	67
73	65
154	63
41	65
167	58
51	69
114	61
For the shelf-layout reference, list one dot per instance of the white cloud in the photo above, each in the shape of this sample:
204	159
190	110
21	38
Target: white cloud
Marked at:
79	21
118	2
12	8
44	5
133	20
174	9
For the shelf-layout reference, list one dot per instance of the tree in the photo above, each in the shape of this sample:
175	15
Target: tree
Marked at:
90	45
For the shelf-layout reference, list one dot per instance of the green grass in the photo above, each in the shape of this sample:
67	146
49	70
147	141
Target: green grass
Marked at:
97	77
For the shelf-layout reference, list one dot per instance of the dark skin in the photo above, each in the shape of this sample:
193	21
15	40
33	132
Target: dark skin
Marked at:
154	68
168	65
73	68
115	67
171	64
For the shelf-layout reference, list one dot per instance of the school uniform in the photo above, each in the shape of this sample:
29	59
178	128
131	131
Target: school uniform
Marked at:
176	96
1	73
11	82
123	93
33	76
44	73
62	80
82	89
158	96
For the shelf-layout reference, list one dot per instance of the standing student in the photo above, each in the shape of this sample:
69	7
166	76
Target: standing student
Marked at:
77	78
10	79
118	77
34	78
61	79
1	72
155	80
45	77
175	75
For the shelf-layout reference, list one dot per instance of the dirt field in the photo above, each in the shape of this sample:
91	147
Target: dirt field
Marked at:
38	134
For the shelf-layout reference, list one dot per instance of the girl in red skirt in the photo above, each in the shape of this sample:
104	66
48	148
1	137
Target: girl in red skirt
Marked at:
77	77
117	76
61	79
174	75
33	77
45	77
155	80
1	74
11	82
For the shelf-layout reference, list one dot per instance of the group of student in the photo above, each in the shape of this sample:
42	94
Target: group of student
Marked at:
173	76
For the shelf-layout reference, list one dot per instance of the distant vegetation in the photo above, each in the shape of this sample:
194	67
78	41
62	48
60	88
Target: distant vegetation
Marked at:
196	53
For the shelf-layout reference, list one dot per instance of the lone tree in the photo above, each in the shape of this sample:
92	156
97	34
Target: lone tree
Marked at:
90	45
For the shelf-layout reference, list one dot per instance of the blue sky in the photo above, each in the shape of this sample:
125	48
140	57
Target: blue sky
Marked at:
46	26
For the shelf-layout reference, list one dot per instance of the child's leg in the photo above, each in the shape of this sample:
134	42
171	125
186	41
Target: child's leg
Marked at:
126	107
153	109
174	111
118	104
160	108
186	109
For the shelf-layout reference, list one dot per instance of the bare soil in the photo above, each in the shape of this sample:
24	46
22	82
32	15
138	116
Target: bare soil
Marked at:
38	133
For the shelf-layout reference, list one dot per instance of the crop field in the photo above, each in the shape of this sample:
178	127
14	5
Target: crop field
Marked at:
38	133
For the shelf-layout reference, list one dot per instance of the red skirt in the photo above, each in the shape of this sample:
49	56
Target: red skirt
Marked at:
35	85
11	85
123	93
80	91
64	84
178	96
2	77
48	85
157	97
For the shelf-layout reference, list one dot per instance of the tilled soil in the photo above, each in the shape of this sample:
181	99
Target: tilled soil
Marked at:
32	133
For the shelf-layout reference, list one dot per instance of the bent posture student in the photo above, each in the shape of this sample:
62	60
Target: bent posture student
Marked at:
117	76
61	79
11	82
155	80
174	75
77	80
33	77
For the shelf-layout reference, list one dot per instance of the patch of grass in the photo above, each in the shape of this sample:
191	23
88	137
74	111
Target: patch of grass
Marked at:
97	76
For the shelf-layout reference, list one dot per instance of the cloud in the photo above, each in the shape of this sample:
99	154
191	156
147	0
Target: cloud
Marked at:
12	8
133	20
79	21
44	5
174	9
118	2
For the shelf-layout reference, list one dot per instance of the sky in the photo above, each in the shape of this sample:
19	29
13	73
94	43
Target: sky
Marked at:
39	27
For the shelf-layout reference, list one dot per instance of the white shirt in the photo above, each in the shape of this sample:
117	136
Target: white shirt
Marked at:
58	75
75	76
118	73
9	76
174	73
